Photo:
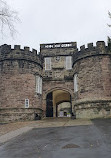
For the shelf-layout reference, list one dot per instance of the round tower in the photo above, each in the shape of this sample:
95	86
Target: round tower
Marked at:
20	83
92	81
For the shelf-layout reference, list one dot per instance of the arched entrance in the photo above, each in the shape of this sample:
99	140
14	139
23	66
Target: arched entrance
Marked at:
58	104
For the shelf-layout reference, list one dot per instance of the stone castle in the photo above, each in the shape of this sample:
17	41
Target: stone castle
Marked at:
56	82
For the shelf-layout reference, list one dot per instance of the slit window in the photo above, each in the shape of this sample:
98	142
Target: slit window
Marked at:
38	84
75	83
68	62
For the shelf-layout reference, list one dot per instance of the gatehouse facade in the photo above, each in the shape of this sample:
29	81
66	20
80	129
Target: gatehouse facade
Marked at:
55	82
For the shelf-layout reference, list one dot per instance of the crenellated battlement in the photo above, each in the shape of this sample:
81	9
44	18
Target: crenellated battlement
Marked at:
41	84
100	45
91	50
16	53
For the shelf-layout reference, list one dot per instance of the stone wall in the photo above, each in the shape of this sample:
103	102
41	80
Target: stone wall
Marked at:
18	114
18	69
58	49
93	69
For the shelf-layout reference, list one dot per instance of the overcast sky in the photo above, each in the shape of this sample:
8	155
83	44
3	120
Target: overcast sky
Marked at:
52	21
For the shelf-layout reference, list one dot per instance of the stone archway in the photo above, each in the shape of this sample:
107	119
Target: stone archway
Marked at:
58	103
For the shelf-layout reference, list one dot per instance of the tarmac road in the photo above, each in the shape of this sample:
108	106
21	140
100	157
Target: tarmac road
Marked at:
88	141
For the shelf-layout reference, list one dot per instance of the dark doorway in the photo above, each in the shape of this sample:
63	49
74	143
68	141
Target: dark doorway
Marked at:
49	105
65	113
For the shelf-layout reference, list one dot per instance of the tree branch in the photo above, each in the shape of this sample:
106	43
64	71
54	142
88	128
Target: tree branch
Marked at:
8	18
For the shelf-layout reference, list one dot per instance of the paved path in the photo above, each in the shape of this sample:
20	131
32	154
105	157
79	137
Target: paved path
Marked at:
40	124
78	141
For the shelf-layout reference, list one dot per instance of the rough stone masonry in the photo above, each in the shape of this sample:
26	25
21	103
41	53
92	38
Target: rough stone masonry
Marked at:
55	82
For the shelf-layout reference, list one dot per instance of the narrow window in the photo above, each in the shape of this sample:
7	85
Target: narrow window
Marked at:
47	63
68	62
75	83
26	103
39	84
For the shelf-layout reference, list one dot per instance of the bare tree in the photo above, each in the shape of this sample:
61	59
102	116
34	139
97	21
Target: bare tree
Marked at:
8	18
109	13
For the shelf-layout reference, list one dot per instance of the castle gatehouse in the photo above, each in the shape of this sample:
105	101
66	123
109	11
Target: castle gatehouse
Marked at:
55	82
